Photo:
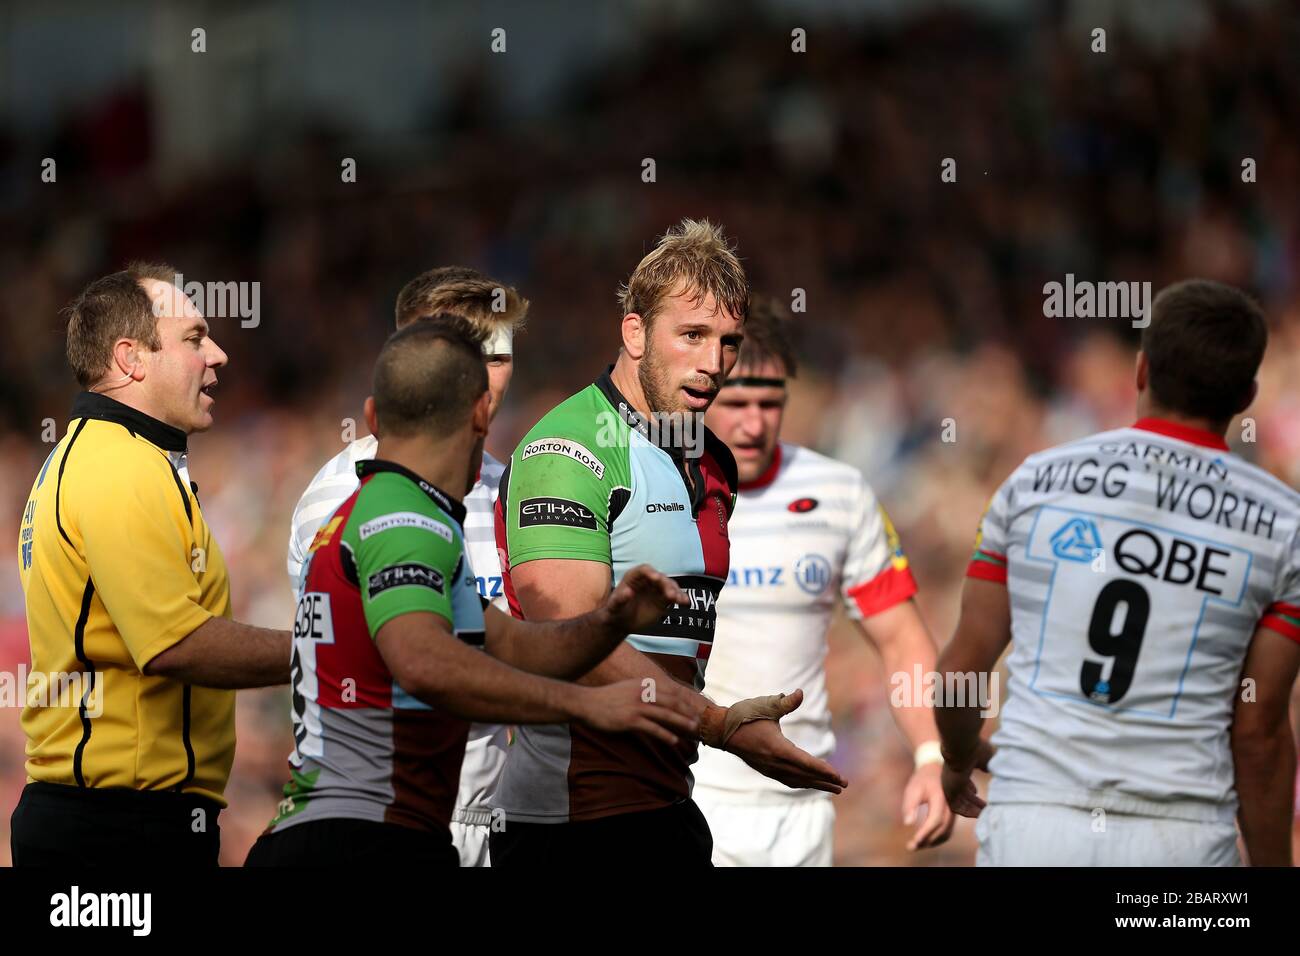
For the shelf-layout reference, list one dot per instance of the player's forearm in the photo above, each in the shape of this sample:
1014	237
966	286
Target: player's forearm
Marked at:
475	686
911	653
1265	767
226	654
958	719
563	649
627	662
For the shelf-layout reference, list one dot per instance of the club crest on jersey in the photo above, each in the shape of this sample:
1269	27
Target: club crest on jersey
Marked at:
802	505
1077	540
812	573
326	532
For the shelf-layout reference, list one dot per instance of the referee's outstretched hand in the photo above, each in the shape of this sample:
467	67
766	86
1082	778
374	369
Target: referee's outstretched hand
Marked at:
761	744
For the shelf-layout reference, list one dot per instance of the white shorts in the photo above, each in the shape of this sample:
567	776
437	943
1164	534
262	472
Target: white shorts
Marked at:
1044	834
796	832
471	839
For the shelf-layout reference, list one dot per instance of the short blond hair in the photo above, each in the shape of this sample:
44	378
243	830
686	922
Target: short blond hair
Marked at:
696	257
457	290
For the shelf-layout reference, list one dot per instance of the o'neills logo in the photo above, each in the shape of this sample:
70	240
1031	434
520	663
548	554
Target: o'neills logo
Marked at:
566	449
656	506
557	511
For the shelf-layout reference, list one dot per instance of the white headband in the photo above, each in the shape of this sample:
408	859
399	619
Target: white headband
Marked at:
500	342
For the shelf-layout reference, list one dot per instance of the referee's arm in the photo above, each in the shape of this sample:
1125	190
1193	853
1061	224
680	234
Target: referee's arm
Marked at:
139	551
224	653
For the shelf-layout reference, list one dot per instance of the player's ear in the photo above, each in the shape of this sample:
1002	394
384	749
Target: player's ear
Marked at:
372	420
482	414
634	332
1143	371
126	359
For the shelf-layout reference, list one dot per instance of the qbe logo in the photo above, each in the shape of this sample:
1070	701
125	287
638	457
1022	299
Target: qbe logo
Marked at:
1077	540
812	573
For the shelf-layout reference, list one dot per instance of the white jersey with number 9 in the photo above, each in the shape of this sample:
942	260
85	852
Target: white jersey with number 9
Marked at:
1139	563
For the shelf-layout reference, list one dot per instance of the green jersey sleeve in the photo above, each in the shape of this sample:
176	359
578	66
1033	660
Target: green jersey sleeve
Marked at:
566	484
406	551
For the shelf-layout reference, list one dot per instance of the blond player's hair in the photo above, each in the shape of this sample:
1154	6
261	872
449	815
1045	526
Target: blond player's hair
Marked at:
693	258
460	291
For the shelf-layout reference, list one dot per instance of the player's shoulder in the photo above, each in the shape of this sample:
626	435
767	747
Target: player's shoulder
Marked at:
577	417
342	468
583	431
717	449
390	501
1275	487
803	466
1074	446
1097	442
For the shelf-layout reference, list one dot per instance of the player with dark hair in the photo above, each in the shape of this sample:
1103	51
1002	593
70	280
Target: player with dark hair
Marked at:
808	534
496	312
1148	582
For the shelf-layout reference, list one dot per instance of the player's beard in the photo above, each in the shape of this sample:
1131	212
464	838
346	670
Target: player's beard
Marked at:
656	382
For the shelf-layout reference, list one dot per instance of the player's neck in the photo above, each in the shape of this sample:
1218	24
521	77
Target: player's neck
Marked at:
444	465
626	381
1149	409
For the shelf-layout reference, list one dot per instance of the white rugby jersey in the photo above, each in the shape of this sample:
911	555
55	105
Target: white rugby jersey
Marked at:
807	534
1139	562
485	754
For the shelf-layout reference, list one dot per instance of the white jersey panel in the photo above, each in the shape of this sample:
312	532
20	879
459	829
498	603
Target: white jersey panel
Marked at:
812	537
1138	566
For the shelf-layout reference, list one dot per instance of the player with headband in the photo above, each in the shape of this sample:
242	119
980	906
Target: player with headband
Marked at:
807	534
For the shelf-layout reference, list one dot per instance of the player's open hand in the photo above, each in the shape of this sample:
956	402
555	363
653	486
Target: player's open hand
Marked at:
662	709
925	789
761	744
642	598
959	790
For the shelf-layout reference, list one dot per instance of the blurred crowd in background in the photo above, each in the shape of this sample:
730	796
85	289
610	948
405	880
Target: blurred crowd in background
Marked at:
924	299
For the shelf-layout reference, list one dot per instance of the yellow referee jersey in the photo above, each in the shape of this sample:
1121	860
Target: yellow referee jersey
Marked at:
117	565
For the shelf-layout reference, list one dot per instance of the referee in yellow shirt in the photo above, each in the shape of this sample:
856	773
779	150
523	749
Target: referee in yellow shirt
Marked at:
128	601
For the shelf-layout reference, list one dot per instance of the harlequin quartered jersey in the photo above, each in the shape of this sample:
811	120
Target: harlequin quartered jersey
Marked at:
807	535
365	748
587	483
1139	562
485	754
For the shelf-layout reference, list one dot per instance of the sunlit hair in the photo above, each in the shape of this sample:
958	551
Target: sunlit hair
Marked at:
694	258
464	292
